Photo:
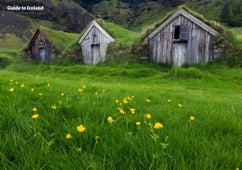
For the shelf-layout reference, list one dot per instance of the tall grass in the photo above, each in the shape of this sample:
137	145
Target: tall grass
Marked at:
65	99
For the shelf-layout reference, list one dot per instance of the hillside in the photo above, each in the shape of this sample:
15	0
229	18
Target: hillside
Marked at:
135	14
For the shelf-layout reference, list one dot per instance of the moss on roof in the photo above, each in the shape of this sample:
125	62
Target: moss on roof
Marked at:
125	38
215	25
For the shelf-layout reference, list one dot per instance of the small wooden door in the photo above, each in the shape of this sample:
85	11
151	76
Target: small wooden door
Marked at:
179	54
42	54
95	54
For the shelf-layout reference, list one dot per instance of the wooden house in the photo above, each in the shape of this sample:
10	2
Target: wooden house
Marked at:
94	43
40	47
181	39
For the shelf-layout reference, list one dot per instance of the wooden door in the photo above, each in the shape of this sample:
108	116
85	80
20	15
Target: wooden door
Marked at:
42	54
95	54
179	54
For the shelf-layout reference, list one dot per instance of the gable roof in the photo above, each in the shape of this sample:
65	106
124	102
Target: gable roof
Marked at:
189	17
95	24
36	34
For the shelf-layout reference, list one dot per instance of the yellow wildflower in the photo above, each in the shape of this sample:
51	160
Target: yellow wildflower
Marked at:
16	82
191	118
116	101
138	123
32	89
11	89
129	98
96	93
80	128
48	85
34	109
11	80
54	107
158	125
110	119
84	86
121	111
148	116
60	102
125	101
80	90
68	136
35	116
62	94
22	85
132	110
148	100
169	100
180	105
40	94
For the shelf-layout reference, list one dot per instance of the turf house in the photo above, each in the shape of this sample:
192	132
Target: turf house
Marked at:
182	39
94	43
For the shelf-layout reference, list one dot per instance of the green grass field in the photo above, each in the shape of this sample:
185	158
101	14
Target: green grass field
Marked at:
120	117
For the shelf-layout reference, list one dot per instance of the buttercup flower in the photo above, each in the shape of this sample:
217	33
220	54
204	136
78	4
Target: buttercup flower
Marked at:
116	101
34	109
125	101
180	105
62	94
148	100
148	116
48	85
84	86
138	123
191	118
11	89
129	98
32	89
40	94
68	136
158	125
80	128
169	100
22	85
121	111
132	110
53	107
80	90
110	119
35	116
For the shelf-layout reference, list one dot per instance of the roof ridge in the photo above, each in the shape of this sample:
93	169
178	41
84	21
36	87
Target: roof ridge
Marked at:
94	23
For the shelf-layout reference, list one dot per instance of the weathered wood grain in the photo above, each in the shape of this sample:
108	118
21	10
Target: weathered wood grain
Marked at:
198	48
94	49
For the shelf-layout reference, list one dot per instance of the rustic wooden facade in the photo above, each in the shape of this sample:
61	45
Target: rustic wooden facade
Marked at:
94	43
181	39
40	47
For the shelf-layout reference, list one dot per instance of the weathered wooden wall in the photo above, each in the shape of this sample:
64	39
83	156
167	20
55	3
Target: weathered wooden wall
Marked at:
94	53
40	47
197	49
